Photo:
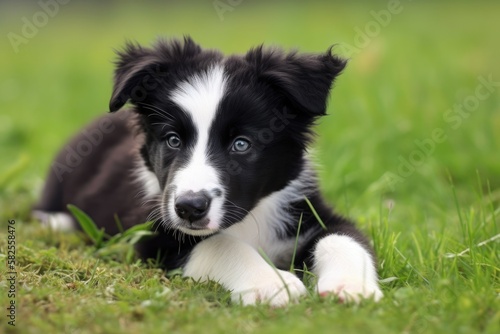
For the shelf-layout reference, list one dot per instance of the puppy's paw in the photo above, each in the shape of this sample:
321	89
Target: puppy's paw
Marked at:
349	290
276	288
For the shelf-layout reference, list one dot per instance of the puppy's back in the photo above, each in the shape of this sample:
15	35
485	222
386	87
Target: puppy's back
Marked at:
97	172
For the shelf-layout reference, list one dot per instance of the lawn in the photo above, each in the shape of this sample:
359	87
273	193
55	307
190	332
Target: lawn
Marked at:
410	151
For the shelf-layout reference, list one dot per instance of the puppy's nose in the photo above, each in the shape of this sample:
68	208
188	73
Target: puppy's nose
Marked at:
192	206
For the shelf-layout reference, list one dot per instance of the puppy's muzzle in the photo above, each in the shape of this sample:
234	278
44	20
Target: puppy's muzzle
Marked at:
193	207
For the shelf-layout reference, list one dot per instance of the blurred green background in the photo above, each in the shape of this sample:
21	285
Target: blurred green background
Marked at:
410	63
410	150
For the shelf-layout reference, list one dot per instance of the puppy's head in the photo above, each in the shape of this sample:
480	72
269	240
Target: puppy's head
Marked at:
222	133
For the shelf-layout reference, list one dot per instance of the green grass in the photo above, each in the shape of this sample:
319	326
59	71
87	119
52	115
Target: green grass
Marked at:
434	229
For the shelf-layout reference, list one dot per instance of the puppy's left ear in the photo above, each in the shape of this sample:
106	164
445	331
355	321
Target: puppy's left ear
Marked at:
304	79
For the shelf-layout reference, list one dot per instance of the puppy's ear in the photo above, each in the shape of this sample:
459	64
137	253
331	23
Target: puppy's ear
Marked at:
304	79
131	68
140	71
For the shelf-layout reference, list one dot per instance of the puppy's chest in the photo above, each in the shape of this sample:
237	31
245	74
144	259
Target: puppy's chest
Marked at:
265	234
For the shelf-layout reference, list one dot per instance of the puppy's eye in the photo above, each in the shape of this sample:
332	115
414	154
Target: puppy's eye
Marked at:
174	141
240	145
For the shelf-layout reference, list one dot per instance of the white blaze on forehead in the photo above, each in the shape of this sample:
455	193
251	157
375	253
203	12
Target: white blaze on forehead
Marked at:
199	97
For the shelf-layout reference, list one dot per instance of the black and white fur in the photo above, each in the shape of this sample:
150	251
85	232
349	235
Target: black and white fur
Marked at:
214	150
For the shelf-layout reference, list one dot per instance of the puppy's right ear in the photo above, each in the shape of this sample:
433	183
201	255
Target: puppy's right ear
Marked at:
135	68
140	71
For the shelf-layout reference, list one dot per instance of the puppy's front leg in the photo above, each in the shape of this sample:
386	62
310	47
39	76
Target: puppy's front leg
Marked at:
240	269
345	269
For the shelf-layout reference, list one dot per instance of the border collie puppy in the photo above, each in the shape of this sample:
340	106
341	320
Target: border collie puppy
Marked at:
214	150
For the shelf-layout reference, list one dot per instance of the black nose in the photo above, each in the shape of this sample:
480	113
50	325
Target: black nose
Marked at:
192	206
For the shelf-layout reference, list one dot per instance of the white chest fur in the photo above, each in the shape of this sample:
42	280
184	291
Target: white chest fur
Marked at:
270	219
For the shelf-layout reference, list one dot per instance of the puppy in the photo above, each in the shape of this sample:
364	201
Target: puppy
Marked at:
214	150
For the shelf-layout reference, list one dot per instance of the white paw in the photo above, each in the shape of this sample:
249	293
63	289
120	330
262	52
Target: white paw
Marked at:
276	288
57	221
349	290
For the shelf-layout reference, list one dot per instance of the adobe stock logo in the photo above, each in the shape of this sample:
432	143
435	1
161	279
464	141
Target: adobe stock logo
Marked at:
381	19
223	6
31	26
74	152
454	118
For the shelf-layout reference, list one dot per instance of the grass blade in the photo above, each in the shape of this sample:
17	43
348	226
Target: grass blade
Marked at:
292	265
87	224
318	218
